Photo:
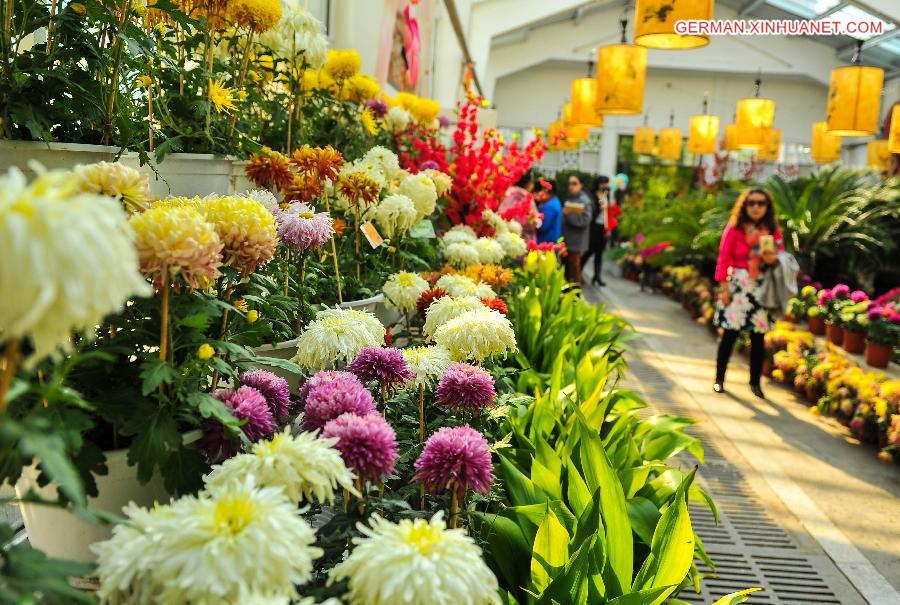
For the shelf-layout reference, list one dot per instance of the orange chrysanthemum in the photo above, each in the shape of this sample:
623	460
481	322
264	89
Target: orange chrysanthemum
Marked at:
497	304
339	226
323	162
303	188
271	170
358	187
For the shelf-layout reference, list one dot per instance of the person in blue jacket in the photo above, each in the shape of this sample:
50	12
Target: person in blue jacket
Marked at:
548	203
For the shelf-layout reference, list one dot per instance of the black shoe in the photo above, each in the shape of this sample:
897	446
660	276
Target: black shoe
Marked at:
718	387
597	281
754	388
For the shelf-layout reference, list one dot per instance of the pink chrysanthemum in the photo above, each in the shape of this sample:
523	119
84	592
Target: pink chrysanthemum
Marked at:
367	444
328	395
274	388
455	458
245	403
301	228
465	387
386	365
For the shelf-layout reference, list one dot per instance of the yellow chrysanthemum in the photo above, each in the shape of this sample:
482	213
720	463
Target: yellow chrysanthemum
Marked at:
460	285
405	100
221	96
144	81
396	215
367	117
309	79
402	290
425	111
342	64
259	15
128	185
247	230
177	240
361	88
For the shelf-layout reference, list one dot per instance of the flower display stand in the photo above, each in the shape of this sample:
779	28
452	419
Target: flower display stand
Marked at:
61	534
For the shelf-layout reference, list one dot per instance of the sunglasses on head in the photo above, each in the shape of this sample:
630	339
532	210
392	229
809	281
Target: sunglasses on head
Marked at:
573	182
757	203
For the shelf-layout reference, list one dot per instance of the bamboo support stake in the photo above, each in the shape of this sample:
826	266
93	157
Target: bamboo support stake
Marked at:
453	507
10	363
114	75
245	62
337	271
164	316
50	26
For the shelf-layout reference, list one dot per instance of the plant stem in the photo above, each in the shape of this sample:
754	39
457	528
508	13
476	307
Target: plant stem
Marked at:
114	75
150	116
222	328
337	271
164	316
10	363
453	506
356	234
50	26
300	292
243	74
421	413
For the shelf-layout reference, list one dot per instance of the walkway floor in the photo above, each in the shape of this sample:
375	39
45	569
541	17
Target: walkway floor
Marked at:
807	512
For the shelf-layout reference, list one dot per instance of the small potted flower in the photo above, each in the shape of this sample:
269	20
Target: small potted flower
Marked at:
833	301
853	320
882	333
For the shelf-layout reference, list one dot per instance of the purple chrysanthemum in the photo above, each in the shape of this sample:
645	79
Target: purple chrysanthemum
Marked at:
386	365
328	395
274	388
429	164
444	121
874	312
858	296
466	387
301	228
367	444
455	458
378	107
245	403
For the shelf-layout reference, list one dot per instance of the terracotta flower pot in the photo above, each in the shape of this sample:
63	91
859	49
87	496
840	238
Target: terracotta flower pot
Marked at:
812	394
768	367
854	342
834	333
878	356
817	325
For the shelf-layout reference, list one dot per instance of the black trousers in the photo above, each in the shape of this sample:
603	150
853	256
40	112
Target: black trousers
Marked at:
757	354
597	246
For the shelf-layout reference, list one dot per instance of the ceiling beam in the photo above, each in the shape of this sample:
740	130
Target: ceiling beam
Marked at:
750	7
461	39
849	49
834	9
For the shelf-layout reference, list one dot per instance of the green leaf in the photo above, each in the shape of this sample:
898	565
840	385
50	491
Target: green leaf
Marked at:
155	372
199	321
571	586
546	479
157	438
210	407
644	516
737	597
50	451
643	597
519	488
509	551
551	550
578	492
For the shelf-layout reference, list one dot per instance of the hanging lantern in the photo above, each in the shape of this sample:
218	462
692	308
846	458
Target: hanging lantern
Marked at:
854	97
621	71
578	132
644	140
703	133
669	144
772	150
894	144
729	143
584	101
825	148
654	23
878	155
754	121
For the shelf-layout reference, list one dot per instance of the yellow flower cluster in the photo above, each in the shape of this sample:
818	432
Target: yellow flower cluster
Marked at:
259	15
423	110
341	65
360	88
129	186
493	275
247	230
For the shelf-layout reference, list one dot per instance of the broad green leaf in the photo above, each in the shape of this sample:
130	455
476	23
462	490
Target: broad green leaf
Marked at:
519	488
643	597
511	553
737	597
546	479
550	553
578	493
570	586
644	517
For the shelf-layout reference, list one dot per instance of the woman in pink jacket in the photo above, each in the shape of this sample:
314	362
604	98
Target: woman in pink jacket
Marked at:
750	244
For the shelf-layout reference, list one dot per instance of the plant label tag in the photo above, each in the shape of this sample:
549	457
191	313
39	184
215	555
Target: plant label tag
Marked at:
424	229
371	233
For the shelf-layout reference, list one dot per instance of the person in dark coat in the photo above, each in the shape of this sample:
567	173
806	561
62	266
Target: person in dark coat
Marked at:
577	213
599	225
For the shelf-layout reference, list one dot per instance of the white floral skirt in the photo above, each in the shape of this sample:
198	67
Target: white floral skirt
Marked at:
744	313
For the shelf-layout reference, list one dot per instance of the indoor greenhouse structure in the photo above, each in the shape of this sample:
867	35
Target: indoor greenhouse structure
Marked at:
449	302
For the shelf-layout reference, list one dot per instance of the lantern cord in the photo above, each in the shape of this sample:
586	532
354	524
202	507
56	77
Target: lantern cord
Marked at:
590	66
756	83
671	118
646	117
624	22
857	55
705	102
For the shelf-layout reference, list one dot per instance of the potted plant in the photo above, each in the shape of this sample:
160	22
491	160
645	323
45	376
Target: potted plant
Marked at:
816	320
853	319
833	301
882	332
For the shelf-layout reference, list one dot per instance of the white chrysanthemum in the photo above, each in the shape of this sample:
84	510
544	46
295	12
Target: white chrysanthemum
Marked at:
266	198
461	254
457	237
416	562
370	168
397	119
446	308
395	215
421	190
442	182
67	260
490	252
298	31
232	542
463	229
305	467
515	227
402	290
477	335
337	335
385	159
463	285
127	185
495	220
512	243
427	364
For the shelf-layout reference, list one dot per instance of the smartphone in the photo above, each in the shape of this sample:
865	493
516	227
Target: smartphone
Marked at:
767	243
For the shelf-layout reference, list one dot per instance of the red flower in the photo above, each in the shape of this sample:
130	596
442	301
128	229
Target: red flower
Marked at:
429	296
496	304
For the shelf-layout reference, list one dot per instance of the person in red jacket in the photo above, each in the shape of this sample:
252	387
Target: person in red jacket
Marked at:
750	244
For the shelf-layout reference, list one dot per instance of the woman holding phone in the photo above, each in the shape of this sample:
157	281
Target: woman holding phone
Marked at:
750	244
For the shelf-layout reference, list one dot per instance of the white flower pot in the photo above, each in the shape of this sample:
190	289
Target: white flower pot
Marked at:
61	534
281	350
52	156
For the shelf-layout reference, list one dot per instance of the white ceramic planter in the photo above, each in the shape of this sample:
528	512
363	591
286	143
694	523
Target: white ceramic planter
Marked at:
61	534
52	156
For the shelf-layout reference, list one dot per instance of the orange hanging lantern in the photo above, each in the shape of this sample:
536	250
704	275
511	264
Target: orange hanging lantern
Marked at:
578	132
754	121
654	23
621	72
878	155
771	152
854	97
703	132
894	139
729	143
824	148
670	143
644	140
584	101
